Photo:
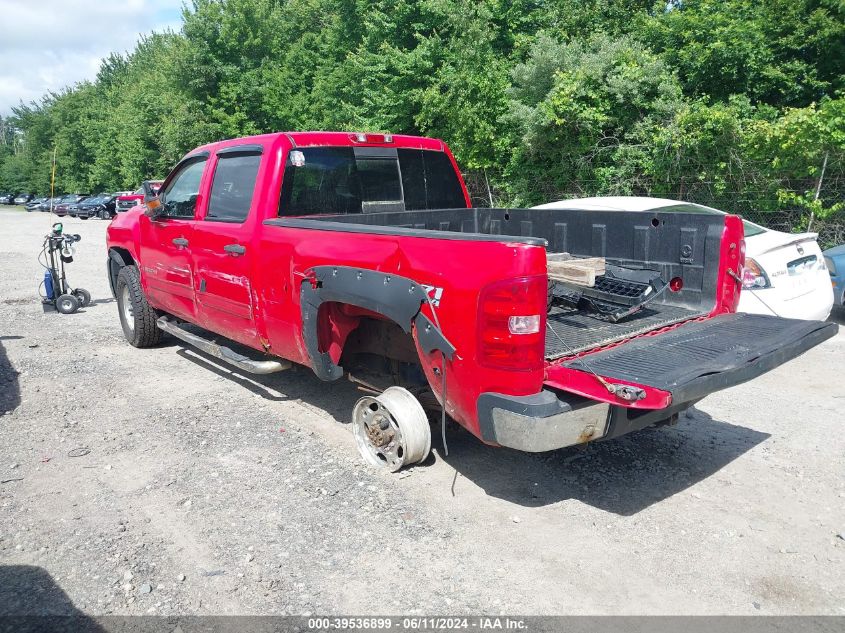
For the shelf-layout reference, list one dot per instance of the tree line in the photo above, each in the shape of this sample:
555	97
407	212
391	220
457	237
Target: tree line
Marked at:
735	103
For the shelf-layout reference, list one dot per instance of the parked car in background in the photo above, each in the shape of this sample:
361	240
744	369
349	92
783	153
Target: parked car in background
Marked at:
35	204
100	206
129	200
784	273
49	203
23	198
835	260
68	204
7	198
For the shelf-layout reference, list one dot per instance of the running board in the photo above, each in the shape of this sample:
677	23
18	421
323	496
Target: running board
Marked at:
223	353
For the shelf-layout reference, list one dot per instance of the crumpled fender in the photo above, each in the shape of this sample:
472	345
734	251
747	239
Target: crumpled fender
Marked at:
397	298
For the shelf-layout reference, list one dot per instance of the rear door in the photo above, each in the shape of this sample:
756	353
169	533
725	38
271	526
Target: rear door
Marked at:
166	241
224	254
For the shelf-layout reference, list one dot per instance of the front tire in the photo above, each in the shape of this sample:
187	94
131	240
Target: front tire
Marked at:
137	316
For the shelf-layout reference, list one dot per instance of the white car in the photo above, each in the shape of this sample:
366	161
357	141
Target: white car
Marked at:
785	273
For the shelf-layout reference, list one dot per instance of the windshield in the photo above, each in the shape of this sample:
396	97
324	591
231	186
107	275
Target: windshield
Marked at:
342	180
752	229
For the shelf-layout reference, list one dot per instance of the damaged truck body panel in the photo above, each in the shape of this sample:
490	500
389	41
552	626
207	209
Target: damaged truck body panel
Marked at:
360	255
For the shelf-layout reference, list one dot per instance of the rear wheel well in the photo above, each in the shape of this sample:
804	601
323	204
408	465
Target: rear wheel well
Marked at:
377	353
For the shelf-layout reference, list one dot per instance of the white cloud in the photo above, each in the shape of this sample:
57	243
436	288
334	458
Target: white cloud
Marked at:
49	44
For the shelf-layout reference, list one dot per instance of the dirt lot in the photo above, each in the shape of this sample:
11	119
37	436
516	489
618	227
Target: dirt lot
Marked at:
208	491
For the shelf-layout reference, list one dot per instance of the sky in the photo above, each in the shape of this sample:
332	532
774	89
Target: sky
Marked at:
48	44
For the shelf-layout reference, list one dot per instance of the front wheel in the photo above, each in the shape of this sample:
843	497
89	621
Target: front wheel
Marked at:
137	316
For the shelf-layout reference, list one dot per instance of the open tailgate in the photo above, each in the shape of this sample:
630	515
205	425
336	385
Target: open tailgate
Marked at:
700	357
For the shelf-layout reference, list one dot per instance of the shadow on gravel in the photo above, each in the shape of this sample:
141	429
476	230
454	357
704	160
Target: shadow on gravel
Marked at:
30	600
10	389
297	383
622	476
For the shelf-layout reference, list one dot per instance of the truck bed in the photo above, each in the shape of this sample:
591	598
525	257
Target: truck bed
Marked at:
572	331
670	244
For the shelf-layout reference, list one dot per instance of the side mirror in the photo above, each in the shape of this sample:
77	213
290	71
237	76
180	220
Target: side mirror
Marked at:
154	205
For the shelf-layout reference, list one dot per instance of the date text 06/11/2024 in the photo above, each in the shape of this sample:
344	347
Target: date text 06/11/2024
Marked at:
420	623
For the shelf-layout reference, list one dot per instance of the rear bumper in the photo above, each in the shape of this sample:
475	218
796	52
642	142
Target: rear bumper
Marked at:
813	305
555	419
548	421
541	422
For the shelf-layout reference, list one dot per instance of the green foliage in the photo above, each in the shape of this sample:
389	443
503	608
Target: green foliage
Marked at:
734	103
580	113
781	52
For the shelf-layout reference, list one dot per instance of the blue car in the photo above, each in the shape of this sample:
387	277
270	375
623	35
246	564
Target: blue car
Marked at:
834	258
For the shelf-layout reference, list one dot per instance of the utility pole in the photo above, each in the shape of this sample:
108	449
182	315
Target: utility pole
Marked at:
818	191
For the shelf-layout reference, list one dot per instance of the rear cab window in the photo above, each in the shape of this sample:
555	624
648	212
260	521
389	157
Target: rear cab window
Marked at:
346	180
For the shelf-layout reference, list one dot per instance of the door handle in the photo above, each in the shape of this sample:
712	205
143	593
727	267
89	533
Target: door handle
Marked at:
181	242
234	249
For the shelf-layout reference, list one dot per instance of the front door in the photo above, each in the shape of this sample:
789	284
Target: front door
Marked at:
223	252
166	243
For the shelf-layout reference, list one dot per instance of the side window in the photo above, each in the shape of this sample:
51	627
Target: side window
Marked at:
233	187
180	197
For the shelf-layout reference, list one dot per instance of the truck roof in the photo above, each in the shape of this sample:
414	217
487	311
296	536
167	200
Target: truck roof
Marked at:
348	139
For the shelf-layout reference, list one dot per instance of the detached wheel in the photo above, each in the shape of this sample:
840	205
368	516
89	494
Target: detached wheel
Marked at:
104	215
137	317
67	304
391	430
83	296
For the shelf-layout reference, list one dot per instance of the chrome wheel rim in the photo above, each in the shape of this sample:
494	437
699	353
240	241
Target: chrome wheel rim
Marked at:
378	436
126	308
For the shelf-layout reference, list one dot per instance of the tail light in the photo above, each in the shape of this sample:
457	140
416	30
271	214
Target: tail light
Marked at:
753	275
511	321
360	137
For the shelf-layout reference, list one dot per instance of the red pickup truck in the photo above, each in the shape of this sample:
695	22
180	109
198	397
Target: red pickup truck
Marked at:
359	255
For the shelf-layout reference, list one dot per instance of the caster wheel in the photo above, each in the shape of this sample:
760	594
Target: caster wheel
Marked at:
67	304
391	430
83	296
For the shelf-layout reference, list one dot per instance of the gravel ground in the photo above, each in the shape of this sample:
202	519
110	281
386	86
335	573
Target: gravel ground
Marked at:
207	491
